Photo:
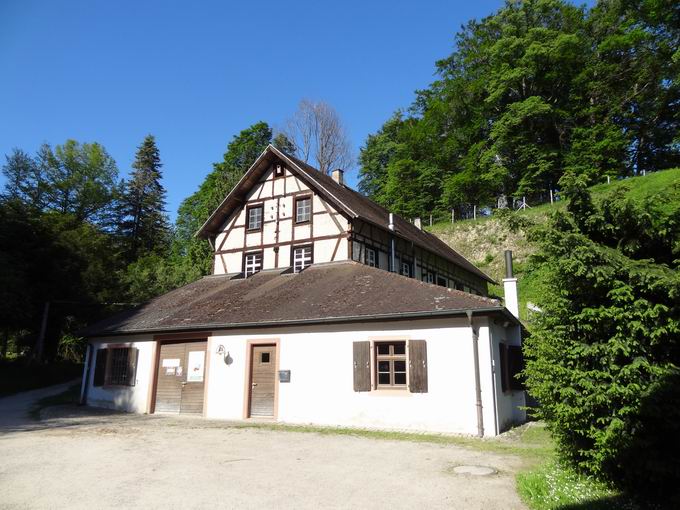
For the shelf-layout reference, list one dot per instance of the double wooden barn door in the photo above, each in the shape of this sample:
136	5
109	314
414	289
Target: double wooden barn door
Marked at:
180	381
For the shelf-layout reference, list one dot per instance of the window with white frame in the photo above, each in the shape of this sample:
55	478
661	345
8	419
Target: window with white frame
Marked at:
371	257
406	269
252	263
303	209
428	277
302	258
255	214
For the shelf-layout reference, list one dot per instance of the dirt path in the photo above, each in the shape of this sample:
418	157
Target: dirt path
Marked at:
92	459
15	408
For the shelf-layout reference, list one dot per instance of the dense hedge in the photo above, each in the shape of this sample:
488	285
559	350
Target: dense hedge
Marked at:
21	375
603	358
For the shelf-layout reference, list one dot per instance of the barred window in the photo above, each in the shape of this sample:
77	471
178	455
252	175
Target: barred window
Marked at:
406	269
115	366
302	258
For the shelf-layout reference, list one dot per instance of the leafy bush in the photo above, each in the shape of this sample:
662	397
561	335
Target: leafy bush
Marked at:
603	356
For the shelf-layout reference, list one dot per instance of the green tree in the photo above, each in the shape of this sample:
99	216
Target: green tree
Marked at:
144	223
241	153
604	355
25	178
536	89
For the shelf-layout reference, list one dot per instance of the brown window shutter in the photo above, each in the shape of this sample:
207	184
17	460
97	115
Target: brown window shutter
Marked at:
362	366
100	367
505	372
417	366
133	354
515	367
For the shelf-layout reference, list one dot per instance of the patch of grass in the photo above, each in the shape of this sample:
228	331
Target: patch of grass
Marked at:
532	449
68	397
553	486
19	375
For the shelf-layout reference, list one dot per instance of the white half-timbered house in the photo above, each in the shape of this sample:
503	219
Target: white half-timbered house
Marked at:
322	308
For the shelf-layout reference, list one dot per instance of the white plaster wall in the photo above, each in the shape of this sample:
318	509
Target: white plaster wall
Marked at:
127	398
321	387
509	403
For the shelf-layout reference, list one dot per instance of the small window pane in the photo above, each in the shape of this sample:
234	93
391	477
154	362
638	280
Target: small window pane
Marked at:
400	348
255	218
303	210
302	258
400	366
384	378
384	366
264	357
400	378
383	349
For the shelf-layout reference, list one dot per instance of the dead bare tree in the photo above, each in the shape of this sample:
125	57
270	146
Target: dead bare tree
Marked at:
318	133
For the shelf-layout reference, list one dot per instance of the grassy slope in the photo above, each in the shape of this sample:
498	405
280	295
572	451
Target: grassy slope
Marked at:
483	241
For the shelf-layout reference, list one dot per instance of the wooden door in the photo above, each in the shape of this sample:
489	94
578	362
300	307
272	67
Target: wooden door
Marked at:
180	380
262	381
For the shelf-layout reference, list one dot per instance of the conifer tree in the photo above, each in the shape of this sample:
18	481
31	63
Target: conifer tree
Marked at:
144	223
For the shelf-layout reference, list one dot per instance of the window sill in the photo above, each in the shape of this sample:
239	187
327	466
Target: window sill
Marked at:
252	230
306	222
390	392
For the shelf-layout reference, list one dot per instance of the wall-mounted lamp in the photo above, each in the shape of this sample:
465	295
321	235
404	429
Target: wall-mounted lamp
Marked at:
221	351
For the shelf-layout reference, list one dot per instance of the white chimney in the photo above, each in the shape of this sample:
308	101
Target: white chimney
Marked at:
418	223
338	176
510	286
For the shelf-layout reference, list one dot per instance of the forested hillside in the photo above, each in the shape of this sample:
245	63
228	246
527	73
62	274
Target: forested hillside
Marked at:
483	240
537	90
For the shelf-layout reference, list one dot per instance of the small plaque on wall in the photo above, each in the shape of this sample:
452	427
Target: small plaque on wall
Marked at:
284	375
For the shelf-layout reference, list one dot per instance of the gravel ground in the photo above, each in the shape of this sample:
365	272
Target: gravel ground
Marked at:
87	458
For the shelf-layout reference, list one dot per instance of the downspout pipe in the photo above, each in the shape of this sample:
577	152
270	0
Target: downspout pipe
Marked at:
478	384
393	255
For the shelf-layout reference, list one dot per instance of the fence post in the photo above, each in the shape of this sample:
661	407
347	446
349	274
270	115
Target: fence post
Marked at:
608	180
474	212
453	215
551	197
430	220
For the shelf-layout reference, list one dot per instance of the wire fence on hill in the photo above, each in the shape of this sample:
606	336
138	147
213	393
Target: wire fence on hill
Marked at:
469	211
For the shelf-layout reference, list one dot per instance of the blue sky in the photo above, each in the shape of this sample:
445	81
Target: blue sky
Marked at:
196	73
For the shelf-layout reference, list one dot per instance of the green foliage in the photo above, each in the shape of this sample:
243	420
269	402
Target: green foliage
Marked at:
603	357
143	223
539	88
241	153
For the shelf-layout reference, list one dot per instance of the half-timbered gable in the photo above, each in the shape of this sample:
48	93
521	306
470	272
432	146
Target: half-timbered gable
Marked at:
283	221
286	214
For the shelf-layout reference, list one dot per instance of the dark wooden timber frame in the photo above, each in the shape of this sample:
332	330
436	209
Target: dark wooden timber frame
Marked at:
200	336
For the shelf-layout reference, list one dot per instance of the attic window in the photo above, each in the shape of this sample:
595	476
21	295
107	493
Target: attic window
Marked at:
303	209
255	214
278	170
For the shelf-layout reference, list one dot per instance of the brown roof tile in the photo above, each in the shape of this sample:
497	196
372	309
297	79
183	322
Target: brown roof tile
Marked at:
332	292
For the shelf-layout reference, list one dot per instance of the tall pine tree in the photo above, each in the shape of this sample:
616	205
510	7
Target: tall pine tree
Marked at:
144	223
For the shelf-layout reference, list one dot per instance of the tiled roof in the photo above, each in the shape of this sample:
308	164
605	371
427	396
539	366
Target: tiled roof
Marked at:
331	292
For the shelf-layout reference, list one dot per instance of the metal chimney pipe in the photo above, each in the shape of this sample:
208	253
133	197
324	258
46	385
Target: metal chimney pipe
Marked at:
508	264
